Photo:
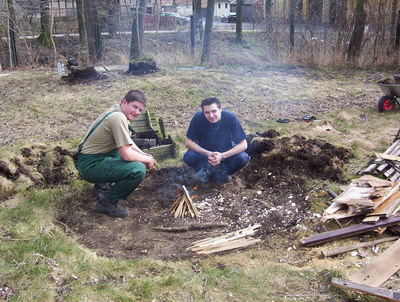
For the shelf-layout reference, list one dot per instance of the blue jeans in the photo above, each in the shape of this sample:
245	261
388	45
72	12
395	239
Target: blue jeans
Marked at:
230	165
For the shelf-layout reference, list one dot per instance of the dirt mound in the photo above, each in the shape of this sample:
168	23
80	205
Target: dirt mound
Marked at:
294	157
270	190
35	167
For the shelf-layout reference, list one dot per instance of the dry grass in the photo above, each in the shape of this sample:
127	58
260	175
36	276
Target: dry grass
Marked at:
38	107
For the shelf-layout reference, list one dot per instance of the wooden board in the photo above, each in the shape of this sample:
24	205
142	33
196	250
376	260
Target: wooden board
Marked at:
388	206
369	290
381	268
163	152
354	193
344	249
388	156
349	231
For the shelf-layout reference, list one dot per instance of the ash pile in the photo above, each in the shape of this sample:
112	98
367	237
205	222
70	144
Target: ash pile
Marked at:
272	189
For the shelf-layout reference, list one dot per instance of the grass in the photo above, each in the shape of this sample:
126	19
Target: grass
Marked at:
42	261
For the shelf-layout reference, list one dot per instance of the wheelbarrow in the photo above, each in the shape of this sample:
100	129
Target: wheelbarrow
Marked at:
391	97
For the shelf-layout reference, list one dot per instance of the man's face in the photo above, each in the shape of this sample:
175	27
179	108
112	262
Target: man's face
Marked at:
212	113
131	110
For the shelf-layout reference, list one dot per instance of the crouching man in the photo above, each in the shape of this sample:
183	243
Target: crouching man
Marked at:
110	159
216	142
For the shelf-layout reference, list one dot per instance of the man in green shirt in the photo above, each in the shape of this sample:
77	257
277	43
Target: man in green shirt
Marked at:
108	154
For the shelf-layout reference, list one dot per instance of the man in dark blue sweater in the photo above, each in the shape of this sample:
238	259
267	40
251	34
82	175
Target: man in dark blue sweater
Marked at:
216	142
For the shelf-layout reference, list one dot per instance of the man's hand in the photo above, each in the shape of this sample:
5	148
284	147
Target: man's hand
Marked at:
151	162
215	158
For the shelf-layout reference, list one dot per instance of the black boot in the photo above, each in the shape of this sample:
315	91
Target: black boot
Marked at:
101	189
111	207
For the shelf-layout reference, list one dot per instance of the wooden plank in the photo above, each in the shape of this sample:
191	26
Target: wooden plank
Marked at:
226	246
369	290
389	172
387	207
349	248
382	167
395	177
227	237
377	161
388	156
371	219
371	181
354	193
338	215
381	268
349	231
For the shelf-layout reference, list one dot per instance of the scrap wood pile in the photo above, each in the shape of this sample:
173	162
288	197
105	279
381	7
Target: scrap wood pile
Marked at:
370	196
379	201
387	163
183	206
230	241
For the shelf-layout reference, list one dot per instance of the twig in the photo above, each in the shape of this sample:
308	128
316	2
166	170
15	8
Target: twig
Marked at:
15	239
200	226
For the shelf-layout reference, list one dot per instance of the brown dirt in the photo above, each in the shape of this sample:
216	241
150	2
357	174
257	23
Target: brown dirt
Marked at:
270	190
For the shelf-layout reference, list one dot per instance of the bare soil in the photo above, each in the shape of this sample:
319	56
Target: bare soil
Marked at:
271	190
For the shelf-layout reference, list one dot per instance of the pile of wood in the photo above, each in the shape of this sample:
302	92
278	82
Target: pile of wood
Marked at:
230	241
183	206
370	196
387	163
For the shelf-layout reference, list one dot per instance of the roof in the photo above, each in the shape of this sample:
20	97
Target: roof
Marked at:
245	2
188	3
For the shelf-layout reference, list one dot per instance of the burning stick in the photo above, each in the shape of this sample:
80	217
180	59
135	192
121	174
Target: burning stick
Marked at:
184	206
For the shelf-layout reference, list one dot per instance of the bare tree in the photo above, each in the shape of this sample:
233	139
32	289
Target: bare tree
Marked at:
393	24
137	30
45	38
205	56
239	21
356	40
112	20
81	22
12	34
292	12
268	16
197	19
92	30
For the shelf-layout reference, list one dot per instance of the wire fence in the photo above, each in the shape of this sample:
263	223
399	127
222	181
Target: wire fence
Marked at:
315	42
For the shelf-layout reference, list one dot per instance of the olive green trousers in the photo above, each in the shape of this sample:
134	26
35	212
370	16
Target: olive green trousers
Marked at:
111	168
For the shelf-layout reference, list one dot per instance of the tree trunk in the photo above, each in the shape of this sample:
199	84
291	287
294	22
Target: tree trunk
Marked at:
197	19
45	38
291	23
268	16
112	21
239	21
360	16
393	24
81	23
12	34
379	36
338	13
205	56
92	31
138	31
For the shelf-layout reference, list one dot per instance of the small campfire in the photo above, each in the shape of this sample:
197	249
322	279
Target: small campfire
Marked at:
184	206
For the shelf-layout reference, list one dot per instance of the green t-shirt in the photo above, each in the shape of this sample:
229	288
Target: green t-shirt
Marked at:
112	133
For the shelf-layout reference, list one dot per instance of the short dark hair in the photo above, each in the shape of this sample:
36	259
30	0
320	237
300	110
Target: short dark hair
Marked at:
210	101
135	95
